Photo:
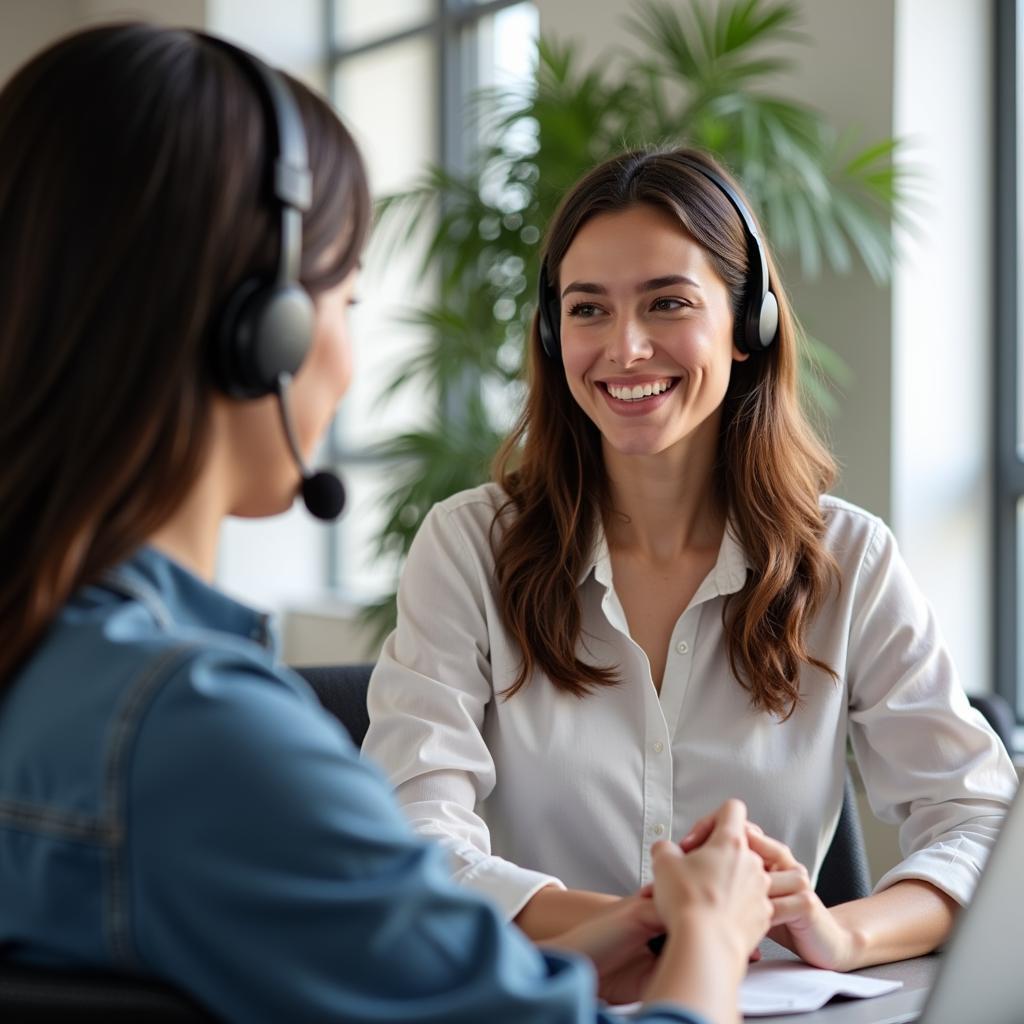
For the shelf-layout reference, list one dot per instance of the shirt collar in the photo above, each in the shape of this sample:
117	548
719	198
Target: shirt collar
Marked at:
176	597
727	577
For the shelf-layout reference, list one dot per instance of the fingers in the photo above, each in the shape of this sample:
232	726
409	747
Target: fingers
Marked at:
729	819
698	835
776	855
785	883
731	816
796	908
665	850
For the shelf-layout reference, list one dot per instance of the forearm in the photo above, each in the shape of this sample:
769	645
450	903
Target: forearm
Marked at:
552	911
699	969
908	919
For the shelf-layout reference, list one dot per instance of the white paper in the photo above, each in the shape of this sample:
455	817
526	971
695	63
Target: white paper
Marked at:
786	986
780	986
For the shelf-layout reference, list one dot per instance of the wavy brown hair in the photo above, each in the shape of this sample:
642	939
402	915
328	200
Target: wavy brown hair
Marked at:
770	473
132	202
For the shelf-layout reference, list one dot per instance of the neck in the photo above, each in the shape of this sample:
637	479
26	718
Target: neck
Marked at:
665	505
190	536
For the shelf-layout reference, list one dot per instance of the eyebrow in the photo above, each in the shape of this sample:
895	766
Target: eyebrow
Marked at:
590	288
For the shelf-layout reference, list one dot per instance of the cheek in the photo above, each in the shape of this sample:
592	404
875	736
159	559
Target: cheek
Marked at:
575	364
321	382
329	365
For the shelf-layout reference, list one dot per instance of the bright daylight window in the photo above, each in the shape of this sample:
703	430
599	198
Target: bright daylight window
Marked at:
401	74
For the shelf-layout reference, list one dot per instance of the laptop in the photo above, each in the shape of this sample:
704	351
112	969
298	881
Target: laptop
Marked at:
980	974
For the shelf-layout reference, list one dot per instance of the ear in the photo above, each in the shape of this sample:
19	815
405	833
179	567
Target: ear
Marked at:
738	356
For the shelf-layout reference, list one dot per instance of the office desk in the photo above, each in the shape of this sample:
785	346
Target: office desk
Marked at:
916	975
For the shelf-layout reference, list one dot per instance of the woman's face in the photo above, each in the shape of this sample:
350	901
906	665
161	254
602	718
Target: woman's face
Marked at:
268	475
646	326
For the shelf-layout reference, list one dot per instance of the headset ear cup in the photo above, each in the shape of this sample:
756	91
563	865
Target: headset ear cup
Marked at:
551	336
549	313
227	363
267	331
768	321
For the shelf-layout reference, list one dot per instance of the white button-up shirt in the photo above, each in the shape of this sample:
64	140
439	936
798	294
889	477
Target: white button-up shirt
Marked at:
545	787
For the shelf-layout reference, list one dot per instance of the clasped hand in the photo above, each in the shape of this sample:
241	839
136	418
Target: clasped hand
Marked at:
725	875
719	885
800	921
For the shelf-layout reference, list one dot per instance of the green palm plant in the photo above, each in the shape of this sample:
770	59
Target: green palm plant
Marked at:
695	76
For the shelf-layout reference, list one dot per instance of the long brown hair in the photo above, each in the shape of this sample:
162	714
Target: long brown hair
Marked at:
131	204
770	472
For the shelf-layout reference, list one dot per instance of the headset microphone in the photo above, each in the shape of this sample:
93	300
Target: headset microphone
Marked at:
322	491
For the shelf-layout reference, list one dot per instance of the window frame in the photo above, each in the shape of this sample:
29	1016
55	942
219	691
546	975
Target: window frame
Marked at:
1009	466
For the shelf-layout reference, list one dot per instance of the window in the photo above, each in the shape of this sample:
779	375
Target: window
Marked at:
401	73
1009	382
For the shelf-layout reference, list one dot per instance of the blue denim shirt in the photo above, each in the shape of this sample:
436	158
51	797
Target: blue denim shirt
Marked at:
175	803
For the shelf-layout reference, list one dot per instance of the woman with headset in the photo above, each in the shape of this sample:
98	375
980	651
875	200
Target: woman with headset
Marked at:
180	229
656	605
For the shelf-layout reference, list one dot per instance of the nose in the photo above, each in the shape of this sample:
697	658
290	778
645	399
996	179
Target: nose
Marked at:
628	343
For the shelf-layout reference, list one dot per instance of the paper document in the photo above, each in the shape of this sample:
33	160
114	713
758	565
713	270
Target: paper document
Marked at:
785	986
781	986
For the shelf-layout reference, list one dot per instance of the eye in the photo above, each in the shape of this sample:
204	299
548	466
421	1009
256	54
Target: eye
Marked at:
666	304
584	310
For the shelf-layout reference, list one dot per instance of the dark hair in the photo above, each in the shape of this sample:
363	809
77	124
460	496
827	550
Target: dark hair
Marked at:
770	472
132	202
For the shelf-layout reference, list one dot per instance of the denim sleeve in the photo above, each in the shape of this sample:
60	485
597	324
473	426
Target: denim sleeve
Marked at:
268	872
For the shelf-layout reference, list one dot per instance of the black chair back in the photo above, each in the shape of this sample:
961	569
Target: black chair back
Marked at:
31	994
342	691
844	873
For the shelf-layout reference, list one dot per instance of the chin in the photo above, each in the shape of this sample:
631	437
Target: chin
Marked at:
263	506
639	445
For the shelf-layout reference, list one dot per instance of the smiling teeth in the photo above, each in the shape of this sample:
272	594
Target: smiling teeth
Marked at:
638	391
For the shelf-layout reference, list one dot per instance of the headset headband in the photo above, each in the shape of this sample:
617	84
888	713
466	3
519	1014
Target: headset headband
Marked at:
291	181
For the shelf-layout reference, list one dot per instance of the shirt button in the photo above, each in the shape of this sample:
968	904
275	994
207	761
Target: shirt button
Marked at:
658	746
682	647
658	829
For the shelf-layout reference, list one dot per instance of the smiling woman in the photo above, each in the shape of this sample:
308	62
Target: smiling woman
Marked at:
657	607
648	354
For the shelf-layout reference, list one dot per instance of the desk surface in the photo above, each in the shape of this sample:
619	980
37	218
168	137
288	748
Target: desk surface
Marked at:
916	975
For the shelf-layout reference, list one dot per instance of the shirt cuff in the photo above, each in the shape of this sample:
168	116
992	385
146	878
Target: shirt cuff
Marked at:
504	883
952	866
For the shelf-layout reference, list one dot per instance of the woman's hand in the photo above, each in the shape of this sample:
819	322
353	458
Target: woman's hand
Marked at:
714	902
724	876
615	939
800	921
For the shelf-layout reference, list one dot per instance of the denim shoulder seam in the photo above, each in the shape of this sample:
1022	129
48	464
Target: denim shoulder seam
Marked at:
124	728
57	823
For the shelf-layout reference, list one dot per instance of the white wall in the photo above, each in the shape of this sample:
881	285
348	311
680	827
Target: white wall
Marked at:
27	26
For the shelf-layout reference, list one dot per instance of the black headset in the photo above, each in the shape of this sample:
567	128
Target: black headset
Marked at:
757	322
267	327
